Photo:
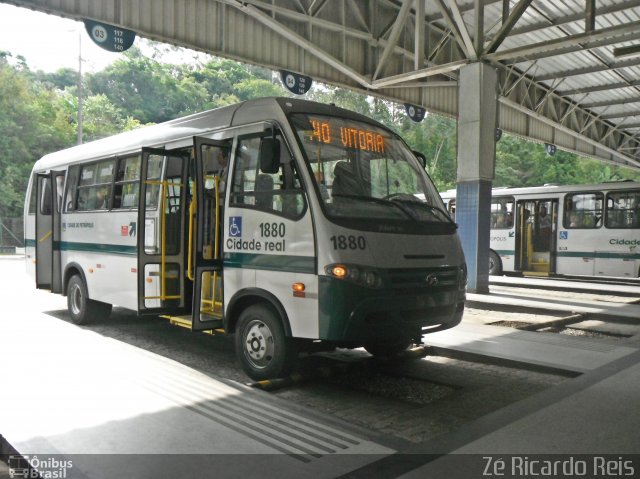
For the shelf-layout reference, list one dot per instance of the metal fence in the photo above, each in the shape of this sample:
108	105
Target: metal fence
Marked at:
11	235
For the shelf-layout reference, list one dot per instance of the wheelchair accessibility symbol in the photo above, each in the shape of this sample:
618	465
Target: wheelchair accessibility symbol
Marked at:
235	226
564	235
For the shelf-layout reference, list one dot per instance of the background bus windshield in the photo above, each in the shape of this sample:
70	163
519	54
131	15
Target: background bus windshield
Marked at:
363	171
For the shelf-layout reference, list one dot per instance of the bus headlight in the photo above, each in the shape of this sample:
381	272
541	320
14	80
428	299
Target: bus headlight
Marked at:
361	275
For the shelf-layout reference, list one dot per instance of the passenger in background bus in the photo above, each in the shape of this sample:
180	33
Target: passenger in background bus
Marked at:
544	229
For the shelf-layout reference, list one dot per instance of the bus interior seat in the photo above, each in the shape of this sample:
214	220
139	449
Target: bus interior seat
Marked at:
344	181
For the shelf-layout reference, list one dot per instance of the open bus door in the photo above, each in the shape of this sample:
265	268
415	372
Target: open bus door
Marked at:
44	231
162	223
536	228
49	202
212	160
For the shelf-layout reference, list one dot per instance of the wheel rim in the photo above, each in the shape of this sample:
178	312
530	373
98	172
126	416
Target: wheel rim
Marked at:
76	299
258	344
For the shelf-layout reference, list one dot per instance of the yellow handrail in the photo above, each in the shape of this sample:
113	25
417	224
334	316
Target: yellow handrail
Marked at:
216	253
216	247
192	215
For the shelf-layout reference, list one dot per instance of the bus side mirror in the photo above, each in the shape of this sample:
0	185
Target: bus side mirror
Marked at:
269	155
421	158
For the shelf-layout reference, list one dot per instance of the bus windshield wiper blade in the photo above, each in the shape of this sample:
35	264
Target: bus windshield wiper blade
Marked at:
380	201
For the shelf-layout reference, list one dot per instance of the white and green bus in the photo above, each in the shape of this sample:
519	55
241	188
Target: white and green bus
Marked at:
570	230
312	236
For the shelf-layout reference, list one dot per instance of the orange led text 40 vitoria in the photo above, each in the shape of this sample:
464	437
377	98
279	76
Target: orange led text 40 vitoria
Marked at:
356	138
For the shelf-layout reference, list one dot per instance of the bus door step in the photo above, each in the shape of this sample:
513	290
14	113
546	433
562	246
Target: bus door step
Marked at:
186	322
536	273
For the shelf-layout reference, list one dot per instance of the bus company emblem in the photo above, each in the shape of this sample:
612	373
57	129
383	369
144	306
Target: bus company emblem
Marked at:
432	279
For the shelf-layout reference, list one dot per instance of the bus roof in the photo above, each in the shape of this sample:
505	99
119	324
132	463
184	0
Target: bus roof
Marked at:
554	189
250	111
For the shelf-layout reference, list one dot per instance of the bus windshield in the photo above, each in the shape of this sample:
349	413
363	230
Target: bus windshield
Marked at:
366	172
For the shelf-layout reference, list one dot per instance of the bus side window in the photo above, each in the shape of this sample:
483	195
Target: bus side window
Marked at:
127	183
94	186
70	193
622	209
502	213
279	193
583	210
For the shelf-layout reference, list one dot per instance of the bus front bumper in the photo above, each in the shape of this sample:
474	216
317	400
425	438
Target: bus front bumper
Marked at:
351	313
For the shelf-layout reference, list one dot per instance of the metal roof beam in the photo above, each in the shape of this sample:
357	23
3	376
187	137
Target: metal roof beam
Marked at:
617	101
415	75
551	47
358	15
601	87
622	114
452	26
601	10
302	42
614	153
394	35
590	15
591	69
507	26
462	28
418	41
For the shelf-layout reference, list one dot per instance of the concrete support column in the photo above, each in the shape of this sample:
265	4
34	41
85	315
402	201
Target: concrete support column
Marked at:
477	120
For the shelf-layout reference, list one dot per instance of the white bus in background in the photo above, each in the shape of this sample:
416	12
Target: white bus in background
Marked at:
311	237
582	230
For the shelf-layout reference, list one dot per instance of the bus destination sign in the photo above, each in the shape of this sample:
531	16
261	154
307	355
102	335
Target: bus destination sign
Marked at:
348	136
110	37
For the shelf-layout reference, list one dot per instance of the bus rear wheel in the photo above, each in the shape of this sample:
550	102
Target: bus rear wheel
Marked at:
262	348
82	309
495	264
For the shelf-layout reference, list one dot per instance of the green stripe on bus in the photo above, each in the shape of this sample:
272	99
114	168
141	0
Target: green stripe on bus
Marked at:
597	254
505	252
96	248
294	264
30	242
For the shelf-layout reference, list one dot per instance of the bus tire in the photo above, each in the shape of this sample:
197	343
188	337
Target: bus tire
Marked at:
262	348
82	309
495	264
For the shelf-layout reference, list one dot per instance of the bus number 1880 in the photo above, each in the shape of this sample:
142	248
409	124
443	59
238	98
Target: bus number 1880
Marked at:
348	242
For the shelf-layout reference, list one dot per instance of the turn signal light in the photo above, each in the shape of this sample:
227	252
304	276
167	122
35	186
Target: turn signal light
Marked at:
339	271
298	287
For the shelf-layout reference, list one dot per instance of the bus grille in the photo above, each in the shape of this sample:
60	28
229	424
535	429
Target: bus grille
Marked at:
423	280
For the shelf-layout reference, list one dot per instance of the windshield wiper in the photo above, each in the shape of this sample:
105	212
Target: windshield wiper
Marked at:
380	201
412	200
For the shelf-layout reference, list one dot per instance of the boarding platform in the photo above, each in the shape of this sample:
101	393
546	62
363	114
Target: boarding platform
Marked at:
116	410
75	394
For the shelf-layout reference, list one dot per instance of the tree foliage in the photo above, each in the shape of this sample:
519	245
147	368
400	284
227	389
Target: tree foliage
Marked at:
38	115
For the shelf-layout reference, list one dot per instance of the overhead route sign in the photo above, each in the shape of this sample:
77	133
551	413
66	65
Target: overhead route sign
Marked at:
110	37
296	84
416	113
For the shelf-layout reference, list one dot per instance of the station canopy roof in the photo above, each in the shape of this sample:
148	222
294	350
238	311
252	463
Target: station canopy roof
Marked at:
569	70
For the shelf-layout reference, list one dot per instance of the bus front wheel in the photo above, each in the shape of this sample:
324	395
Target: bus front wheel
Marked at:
81	308
262	348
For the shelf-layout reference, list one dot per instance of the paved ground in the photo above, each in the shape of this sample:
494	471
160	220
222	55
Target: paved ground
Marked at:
422	406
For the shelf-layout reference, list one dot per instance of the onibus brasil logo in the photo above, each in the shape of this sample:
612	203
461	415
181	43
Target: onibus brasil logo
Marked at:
34	467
